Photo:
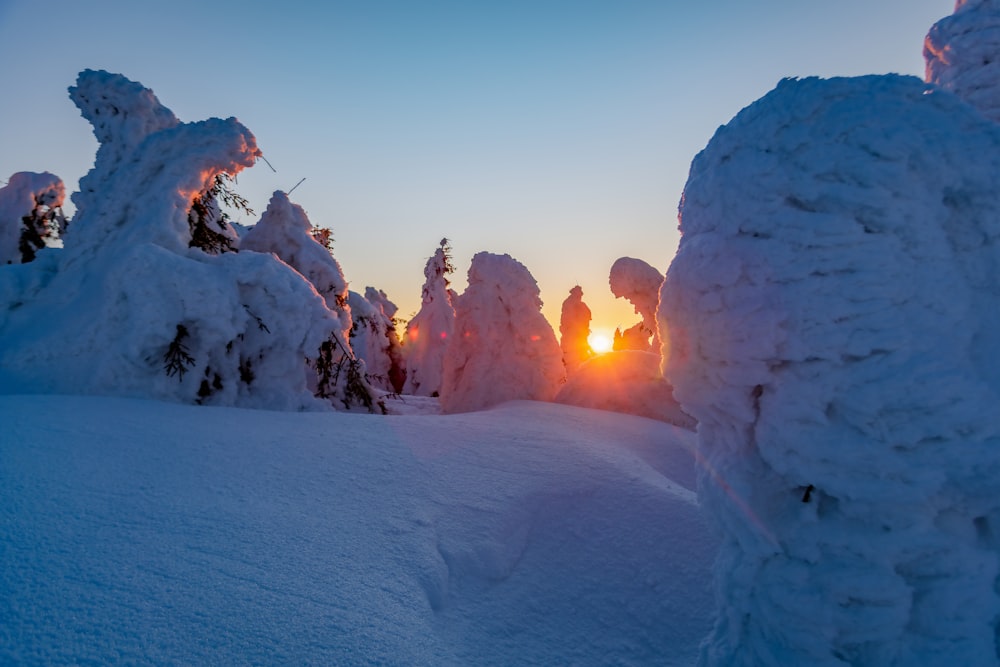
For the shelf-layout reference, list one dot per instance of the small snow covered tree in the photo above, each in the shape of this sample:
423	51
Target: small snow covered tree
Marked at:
962	52
574	330
830	319
31	216
639	283
503	349
374	339
429	332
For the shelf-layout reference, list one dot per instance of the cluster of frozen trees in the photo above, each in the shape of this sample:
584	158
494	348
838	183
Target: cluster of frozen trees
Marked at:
831	320
152	291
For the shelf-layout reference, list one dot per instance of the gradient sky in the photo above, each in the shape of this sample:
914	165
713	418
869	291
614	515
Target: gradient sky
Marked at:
558	131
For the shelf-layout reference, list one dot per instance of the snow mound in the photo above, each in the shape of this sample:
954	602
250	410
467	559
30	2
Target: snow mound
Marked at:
639	283
574	330
503	349
141	533
830	320
962	52
626	381
429	332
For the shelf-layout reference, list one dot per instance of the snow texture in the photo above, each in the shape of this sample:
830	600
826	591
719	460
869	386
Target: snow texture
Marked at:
430	330
639	283
128	308
831	321
504	349
627	381
574	331
134	532
962	52
25	192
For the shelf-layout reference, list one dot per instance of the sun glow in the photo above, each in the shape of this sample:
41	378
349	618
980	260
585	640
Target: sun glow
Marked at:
599	343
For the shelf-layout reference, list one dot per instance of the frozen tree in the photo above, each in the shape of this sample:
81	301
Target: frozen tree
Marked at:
373	338
31	215
430	330
128	307
574	330
830	319
639	283
962	52
504	349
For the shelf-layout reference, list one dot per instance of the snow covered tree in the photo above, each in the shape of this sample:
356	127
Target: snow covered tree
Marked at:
374	339
639	283
31	216
504	349
128	305
429	332
962	52
830	319
574	330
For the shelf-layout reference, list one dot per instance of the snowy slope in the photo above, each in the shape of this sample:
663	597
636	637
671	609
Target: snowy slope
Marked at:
134	531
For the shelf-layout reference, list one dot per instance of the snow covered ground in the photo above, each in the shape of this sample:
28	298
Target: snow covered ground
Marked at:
133	531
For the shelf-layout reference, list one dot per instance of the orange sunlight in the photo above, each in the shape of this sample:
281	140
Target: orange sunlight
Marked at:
599	343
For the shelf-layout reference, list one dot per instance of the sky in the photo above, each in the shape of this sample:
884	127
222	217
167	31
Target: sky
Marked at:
557	131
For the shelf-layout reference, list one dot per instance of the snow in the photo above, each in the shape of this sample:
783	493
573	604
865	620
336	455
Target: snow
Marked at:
830	320
429	332
137	532
639	283
574	330
503	348
627	381
25	192
962	52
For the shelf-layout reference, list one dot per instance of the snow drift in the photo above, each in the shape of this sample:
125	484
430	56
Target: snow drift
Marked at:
962	52
831	321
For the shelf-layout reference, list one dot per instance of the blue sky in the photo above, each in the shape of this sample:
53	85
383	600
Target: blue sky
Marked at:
557	131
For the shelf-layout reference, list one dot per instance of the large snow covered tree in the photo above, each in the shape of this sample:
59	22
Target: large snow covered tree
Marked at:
429	332
639	283
31	215
962	52
503	349
574	330
129	307
831	319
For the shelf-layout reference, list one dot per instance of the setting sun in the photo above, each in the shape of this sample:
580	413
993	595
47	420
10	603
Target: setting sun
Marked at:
599	343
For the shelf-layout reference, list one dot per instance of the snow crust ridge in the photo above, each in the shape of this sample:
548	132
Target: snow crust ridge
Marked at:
830	320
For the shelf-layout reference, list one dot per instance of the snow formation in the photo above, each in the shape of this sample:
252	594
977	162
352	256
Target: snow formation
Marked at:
574	330
26	194
374	340
503	349
639	283
128	307
430	330
962	52
626	381
831	321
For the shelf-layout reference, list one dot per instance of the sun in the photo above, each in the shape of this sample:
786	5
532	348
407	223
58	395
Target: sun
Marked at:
599	343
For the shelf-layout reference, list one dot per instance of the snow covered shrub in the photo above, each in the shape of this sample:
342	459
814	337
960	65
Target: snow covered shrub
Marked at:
128	303
962	52
639	283
430	330
831	319
31	215
504	349
574	330
373	338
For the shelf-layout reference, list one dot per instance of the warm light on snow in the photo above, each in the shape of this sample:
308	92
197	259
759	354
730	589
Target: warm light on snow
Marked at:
599	343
